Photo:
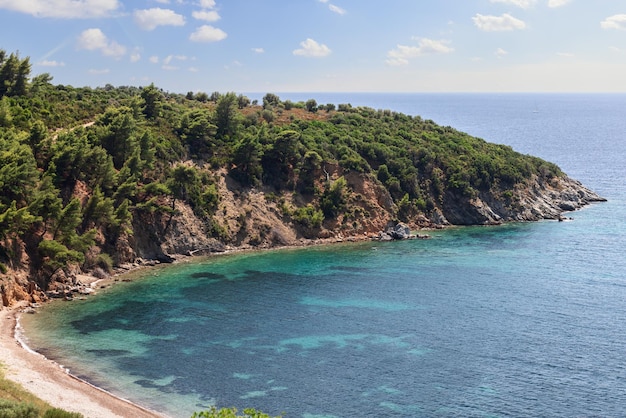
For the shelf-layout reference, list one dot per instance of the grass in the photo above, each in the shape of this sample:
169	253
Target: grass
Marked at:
11	391
15	401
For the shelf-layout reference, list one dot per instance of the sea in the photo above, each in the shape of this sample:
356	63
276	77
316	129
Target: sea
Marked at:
518	320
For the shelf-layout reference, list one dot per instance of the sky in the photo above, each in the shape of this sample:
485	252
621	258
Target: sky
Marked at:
324	45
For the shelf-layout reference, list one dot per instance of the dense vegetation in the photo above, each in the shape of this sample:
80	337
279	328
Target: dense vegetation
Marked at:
80	166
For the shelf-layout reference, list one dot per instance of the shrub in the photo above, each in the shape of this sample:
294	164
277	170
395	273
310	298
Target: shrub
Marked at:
105	262
9	409
58	254
311	105
230	413
345	107
308	216
60	413
333	200
268	115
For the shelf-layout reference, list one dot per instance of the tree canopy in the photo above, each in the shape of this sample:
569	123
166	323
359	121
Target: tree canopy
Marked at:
77	165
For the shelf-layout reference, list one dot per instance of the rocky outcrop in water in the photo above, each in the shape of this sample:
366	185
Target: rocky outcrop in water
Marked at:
532	201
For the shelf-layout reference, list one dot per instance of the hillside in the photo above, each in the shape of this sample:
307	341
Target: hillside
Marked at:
92	179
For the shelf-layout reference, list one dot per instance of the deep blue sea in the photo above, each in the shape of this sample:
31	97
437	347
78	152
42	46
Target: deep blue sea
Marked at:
516	320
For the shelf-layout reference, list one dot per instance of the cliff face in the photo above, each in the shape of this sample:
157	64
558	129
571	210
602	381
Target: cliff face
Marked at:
255	218
534	200
142	176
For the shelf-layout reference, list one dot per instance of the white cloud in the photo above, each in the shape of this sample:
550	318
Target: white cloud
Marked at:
557	3
207	15
154	59
135	56
258	50
95	40
92	39
149	19
425	46
614	22
524	4
167	60
506	22
65	9
207	33
163	1
207	4
311	48
114	50
501	52
46	63
193	69
337	9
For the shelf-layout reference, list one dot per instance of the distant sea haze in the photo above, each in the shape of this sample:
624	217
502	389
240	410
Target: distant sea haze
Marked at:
515	320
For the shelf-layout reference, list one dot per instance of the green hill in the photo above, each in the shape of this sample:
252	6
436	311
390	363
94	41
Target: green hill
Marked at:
95	178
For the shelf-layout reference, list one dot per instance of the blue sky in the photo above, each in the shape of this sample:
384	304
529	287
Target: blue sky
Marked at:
324	45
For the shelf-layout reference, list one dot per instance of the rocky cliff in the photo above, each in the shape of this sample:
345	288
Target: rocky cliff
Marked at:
254	218
108	179
533	200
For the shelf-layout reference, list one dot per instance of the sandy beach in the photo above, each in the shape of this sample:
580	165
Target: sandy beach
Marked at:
48	381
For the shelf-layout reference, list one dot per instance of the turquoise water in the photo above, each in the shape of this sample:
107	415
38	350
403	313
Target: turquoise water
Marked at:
516	320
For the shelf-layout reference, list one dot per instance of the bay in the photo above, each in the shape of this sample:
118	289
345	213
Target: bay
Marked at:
518	320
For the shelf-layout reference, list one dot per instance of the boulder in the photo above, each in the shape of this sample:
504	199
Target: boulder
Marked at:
400	231
383	236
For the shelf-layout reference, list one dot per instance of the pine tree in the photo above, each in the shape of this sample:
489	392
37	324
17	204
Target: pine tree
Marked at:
14	74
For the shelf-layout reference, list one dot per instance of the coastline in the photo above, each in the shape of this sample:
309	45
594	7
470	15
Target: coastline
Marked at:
53	384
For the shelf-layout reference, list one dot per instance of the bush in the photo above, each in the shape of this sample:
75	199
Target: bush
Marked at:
230	413
268	115
308	216
311	105
105	262
60	413
9	409
58	254
333	200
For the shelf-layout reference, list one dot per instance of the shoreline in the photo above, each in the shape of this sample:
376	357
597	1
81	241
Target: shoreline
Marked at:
52	383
